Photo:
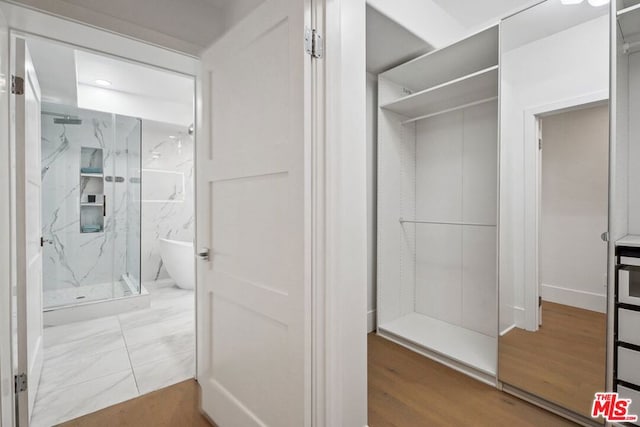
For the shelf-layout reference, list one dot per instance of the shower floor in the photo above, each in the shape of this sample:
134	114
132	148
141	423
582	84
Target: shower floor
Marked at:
80	294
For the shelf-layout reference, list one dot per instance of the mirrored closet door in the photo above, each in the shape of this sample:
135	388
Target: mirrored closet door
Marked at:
554	203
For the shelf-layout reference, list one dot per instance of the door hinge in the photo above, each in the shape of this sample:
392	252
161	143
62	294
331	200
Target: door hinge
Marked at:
539	143
313	43
539	301
17	85
20	383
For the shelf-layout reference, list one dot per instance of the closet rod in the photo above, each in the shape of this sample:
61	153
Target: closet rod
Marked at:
459	107
475	224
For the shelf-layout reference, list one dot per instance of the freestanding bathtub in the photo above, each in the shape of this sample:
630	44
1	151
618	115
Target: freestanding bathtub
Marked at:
178	259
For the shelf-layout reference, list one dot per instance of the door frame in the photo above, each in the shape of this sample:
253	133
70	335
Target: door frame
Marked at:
27	23
532	192
339	251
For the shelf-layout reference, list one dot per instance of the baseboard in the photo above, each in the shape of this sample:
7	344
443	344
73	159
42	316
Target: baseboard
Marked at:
574	298
371	321
518	317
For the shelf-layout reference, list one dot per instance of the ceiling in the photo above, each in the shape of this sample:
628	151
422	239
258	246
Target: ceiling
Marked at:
68	76
472	14
186	25
544	20
389	43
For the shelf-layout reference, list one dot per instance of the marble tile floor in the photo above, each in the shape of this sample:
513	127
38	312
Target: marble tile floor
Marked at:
97	363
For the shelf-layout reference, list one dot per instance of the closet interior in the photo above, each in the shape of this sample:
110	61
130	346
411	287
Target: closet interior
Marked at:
437	204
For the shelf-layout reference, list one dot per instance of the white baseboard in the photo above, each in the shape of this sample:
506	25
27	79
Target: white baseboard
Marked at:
518	317
371	321
575	298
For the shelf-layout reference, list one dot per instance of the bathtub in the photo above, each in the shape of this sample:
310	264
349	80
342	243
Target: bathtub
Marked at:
178	259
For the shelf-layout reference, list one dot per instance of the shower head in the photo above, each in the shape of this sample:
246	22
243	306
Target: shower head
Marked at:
67	120
63	119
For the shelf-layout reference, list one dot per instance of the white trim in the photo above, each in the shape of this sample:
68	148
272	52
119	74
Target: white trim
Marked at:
371	321
575	298
340	234
518	316
508	329
532	193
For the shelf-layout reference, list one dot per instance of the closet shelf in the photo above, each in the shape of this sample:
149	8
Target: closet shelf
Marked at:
471	224
91	175
84	205
468	90
476	52
629	22
463	345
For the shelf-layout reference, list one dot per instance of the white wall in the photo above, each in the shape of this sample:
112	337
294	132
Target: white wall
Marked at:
424	18
565	65
574	205
634	144
372	166
167	192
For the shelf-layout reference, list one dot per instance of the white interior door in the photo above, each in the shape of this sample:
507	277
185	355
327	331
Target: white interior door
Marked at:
253	214
28	228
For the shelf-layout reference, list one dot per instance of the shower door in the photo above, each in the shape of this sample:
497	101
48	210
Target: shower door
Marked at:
90	205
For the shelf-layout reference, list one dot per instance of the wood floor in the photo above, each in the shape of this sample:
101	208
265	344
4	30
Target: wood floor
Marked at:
175	406
564	361
409	390
405	390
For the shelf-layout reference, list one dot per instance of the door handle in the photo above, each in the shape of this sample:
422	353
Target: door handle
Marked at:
203	254
605	236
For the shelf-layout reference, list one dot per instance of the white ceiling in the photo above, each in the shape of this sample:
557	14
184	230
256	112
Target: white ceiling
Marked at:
389	43
185	25
473	13
68	76
544	20
133	78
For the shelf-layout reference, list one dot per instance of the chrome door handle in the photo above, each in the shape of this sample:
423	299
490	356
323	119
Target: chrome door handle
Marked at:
203	254
605	236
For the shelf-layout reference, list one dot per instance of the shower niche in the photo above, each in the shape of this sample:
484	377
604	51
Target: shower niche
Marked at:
91	194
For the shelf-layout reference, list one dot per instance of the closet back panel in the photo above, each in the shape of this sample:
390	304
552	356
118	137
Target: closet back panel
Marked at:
456	181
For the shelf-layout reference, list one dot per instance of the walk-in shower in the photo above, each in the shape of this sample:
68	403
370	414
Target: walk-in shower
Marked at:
91	186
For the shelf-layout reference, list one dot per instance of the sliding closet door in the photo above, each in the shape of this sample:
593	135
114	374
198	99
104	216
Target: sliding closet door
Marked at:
252	210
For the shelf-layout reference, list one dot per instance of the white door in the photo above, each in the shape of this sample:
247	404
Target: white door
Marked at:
253	197
28	228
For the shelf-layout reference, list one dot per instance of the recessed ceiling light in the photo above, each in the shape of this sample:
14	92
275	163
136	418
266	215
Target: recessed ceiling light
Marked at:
570	1
101	82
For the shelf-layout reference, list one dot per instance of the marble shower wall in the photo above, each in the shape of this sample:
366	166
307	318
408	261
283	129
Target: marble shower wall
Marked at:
76	259
167	192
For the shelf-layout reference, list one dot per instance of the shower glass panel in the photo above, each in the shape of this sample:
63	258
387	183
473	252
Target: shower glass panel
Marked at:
90	205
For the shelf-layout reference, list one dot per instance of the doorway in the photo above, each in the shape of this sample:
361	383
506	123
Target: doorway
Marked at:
109	145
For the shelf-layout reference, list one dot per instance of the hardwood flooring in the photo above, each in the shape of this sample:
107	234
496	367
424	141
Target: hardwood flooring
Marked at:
564	361
405	390
409	390
175	406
